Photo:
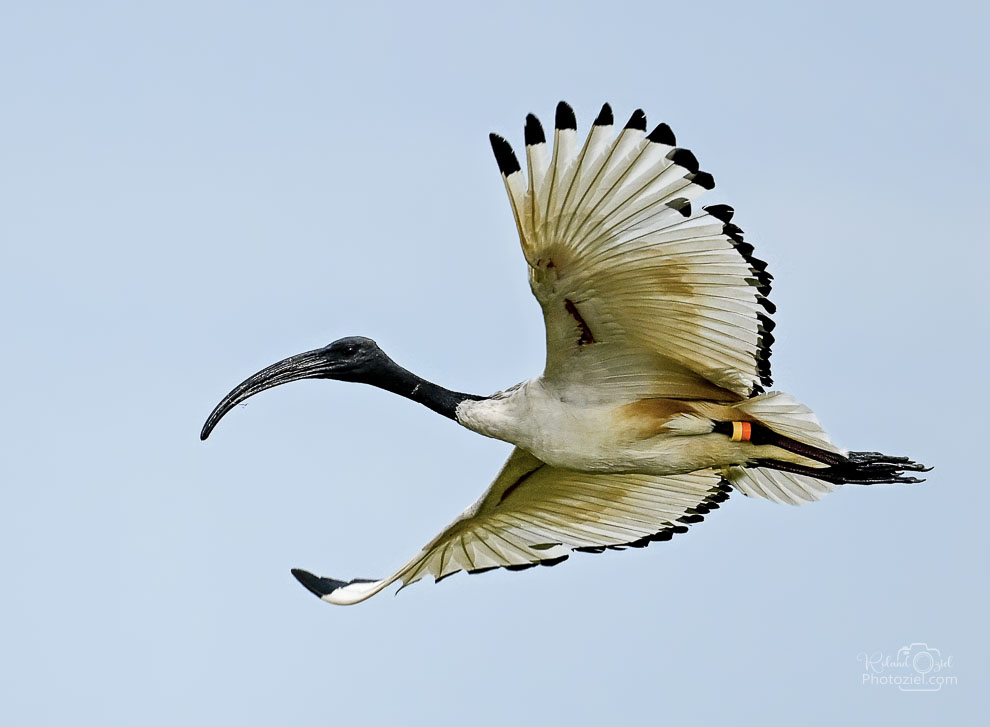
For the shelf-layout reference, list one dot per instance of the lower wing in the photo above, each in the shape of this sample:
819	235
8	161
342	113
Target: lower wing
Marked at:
534	514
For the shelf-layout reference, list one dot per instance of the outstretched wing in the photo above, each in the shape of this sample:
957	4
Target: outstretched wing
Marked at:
640	294
534	514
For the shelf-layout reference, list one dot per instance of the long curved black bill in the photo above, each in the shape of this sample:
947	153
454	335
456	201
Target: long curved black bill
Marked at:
309	365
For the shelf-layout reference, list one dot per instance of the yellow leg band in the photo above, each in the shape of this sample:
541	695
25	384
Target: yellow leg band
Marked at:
741	431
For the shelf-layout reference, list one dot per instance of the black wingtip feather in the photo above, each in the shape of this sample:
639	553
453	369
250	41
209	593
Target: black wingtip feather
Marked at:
604	117
663	134
521	566
683	158
316	585
565	118
483	570
703	180
721	212
682	205
695	514
760	280
504	156
744	248
534	131
733	231
637	121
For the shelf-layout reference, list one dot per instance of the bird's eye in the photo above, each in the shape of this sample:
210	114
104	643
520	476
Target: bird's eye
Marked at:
350	350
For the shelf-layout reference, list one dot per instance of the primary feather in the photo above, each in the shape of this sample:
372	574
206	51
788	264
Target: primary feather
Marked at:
623	256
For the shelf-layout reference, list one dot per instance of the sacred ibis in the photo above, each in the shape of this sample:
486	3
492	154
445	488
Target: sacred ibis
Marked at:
651	407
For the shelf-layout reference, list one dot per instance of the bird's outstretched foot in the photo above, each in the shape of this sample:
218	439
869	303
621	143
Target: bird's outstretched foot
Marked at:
858	468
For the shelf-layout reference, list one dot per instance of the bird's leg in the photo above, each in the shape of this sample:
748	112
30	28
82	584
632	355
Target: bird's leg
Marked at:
756	433
860	468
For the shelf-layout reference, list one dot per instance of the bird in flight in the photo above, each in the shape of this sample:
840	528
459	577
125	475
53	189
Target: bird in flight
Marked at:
652	406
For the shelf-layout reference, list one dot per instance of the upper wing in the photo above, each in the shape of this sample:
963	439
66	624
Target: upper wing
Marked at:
639	293
534	514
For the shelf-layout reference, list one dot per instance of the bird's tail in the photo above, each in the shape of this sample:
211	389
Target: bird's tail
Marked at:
779	420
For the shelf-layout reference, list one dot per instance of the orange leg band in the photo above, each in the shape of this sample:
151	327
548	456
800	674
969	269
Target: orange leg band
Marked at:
741	431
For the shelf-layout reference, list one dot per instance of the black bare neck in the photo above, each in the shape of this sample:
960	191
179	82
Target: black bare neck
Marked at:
399	381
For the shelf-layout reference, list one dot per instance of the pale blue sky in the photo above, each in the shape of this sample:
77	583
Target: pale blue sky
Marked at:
191	191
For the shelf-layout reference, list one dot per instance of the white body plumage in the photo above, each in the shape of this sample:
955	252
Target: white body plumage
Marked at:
567	430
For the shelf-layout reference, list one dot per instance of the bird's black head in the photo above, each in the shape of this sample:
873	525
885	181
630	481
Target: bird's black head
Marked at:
354	358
